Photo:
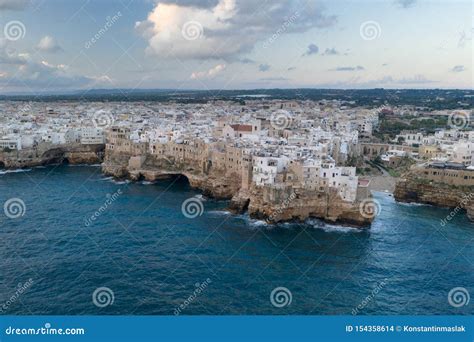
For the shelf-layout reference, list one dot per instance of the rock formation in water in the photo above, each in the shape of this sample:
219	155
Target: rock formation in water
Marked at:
272	203
439	187
46	154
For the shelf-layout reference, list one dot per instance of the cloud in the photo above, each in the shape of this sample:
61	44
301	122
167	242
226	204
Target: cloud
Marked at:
458	68
274	79
211	73
246	61
405	3
348	68
312	49
48	44
14	5
19	70
331	51
417	79
263	67
10	56
224	29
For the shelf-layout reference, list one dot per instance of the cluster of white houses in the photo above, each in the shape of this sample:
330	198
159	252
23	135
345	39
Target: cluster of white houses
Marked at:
254	147
303	142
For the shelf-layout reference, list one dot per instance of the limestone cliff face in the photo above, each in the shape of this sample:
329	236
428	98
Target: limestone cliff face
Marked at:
213	182
269	203
287	203
51	154
413	188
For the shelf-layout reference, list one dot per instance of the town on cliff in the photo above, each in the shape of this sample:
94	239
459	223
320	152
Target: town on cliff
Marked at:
279	160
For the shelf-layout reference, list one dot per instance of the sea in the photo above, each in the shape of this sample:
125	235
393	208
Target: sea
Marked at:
75	242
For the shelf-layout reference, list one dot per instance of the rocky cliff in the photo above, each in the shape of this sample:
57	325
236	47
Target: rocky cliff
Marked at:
214	183
269	203
412	187
52	154
288	204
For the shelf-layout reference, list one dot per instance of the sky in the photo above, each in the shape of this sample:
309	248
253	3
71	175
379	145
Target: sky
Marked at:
61	45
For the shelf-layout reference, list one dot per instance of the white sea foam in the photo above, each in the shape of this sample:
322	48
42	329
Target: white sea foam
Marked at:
219	212
4	172
82	165
120	182
258	223
146	183
318	224
414	204
106	178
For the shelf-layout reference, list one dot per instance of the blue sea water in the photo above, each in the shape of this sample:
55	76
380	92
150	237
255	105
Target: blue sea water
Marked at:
153	258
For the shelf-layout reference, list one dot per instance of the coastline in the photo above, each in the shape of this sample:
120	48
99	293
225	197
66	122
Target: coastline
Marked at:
384	183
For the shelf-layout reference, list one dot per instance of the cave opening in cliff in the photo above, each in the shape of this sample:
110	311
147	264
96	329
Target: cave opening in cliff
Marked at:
180	179
2	165
65	161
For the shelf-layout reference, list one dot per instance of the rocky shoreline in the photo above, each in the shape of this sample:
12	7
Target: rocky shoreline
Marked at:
411	188
52	154
266	203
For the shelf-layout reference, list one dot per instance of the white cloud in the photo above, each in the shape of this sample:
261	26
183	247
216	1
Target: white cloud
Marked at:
405	3
225	30
48	44
458	68
13	4
312	49
211	73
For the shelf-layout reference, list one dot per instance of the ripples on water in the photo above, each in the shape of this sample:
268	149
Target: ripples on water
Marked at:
151	256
